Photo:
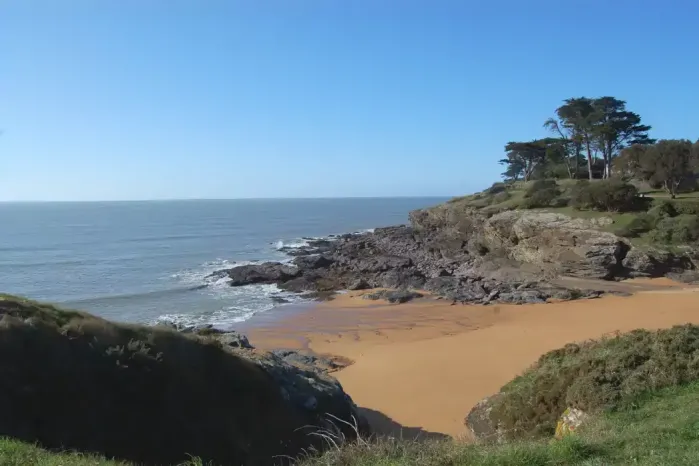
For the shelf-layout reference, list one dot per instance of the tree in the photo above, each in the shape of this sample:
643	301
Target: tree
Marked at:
576	121
628	163
616	128
668	163
570	143
523	158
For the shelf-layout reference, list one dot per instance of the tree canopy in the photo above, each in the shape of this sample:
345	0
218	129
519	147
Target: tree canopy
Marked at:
591	130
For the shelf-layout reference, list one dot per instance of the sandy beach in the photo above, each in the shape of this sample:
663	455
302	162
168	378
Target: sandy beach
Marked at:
418	368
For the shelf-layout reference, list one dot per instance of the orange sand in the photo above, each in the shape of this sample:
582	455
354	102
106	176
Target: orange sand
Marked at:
420	367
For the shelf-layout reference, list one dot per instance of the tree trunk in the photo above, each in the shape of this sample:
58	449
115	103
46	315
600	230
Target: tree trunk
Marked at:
589	159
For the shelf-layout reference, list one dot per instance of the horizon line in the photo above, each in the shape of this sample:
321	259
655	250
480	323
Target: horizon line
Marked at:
193	199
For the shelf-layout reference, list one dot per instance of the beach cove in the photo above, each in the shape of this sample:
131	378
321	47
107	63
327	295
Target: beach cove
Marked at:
418	368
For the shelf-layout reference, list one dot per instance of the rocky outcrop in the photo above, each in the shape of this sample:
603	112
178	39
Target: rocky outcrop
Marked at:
555	243
269	272
156	395
570	246
466	256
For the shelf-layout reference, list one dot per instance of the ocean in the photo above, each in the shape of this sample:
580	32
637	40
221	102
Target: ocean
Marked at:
148	262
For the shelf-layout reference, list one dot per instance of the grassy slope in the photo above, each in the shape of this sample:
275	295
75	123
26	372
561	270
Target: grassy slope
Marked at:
659	429
515	198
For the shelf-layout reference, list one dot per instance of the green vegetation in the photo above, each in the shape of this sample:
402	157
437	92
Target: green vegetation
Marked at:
587	130
610	195
151	395
596	375
656	429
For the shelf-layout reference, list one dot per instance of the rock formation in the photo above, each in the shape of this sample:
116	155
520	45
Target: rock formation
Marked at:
154	395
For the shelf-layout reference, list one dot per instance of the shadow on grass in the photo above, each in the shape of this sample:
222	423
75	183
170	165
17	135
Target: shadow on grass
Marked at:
383	425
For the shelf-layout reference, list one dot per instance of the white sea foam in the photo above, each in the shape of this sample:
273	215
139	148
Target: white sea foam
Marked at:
295	244
237	304
202	275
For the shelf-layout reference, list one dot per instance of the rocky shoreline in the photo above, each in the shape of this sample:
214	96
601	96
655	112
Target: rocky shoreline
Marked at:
510	258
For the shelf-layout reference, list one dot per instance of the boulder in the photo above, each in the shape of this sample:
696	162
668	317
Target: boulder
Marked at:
315	261
479	422
359	284
268	272
569	422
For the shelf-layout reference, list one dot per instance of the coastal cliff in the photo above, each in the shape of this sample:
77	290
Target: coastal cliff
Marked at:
481	249
158	395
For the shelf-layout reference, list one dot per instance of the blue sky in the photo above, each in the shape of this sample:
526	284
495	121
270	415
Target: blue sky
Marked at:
135	99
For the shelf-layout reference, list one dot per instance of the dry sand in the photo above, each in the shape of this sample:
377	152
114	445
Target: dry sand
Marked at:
420	367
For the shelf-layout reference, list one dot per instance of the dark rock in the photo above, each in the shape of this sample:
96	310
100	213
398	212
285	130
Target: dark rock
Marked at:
393	296
312	262
269	272
359	284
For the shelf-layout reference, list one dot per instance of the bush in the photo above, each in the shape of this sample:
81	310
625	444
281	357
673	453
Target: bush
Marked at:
501	197
596	375
496	188
542	193
540	185
677	230
686	207
543	198
640	224
605	195
663	210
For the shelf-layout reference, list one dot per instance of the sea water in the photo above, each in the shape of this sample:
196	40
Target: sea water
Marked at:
150	261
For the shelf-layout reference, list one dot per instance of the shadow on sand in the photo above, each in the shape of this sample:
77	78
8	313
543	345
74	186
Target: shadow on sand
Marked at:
383	425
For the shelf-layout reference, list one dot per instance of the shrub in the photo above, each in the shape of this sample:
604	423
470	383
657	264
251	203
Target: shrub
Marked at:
641	224
594	376
496	188
663	210
605	195
540	185
501	197
542	193
676	230
544	198
686	207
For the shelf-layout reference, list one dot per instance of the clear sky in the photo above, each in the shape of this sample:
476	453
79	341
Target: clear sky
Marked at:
149	99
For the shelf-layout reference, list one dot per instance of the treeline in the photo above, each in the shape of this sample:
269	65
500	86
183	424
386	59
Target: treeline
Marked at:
596	138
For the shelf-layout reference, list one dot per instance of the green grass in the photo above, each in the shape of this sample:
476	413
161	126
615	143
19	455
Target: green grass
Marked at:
656	430
15	453
594	376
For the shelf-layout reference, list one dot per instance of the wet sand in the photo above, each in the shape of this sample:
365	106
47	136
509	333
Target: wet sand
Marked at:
420	367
